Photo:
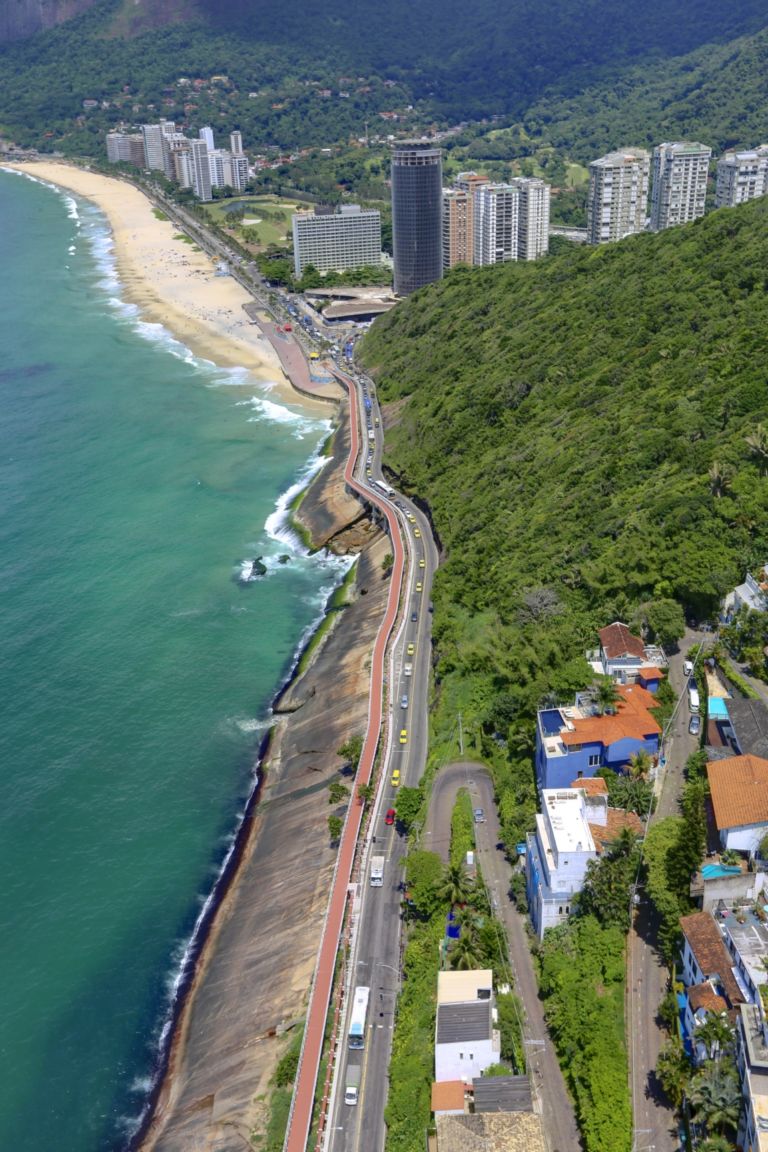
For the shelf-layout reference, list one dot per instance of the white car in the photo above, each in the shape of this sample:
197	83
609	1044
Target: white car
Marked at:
408	670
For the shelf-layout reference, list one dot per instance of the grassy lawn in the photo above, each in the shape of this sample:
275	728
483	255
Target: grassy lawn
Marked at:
272	212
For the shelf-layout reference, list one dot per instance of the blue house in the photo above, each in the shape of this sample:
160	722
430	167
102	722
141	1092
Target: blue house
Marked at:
574	742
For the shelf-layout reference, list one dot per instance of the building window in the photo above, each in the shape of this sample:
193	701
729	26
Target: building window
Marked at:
594	759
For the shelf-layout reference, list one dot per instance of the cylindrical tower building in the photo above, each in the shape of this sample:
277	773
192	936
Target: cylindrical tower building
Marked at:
417	182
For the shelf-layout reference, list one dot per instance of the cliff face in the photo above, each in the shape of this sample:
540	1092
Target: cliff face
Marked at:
22	18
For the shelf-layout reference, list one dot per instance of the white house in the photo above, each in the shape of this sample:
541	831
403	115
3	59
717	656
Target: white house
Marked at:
752	594
557	856
738	788
466	1042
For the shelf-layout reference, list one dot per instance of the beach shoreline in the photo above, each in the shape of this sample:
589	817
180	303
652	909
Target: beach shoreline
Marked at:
172	282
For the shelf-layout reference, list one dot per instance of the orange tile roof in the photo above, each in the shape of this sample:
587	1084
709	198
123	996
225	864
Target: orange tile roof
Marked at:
632	720
738	786
592	785
618	819
448	1095
617	640
652	672
704	996
711	954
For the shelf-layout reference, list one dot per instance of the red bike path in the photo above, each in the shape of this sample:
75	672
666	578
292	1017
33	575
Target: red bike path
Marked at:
304	1093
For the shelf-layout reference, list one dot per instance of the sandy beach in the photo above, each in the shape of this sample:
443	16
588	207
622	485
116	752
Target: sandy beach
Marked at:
173	282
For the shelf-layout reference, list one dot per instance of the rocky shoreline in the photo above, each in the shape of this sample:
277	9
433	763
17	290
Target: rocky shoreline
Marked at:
252	975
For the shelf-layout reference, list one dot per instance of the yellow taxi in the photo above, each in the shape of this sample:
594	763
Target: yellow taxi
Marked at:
403	735
422	563
416	532
419	586
395	777
410	649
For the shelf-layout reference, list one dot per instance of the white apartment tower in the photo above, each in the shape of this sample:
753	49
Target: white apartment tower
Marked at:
236	143
193	169
157	154
533	218
680	171
350	238
227	171
495	223
741	176
126	148
207	135
618	195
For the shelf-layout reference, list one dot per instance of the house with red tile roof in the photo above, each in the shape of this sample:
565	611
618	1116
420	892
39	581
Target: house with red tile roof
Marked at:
738	787
573	742
626	658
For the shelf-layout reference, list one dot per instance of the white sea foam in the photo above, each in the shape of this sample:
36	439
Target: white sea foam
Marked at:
72	249
265	410
251	724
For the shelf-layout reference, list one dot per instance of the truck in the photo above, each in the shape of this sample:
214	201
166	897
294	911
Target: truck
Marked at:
371	434
377	872
352	1084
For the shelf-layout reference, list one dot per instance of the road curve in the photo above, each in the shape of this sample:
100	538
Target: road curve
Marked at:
303	1098
548	1085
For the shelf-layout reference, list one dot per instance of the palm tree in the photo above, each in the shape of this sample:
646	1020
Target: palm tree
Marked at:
455	886
606	693
640	764
464	954
673	1069
757	443
716	1097
716	1035
716	1144
719	479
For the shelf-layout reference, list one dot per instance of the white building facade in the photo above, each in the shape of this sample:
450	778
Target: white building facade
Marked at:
466	1041
350	238
741	176
557	856
533	217
617	202
496	213
680	171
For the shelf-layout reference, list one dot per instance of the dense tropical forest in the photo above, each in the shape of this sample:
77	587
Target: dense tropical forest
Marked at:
591	436
446	63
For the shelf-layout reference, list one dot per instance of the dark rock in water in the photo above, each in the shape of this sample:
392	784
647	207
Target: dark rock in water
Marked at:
284	559
259	569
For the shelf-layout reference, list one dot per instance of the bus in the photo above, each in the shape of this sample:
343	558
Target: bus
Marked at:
356	1037
385	488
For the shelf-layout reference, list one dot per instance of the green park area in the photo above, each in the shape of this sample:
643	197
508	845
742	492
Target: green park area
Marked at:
258	221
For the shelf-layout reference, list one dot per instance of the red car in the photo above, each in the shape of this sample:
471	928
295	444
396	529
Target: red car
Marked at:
390	816
287	328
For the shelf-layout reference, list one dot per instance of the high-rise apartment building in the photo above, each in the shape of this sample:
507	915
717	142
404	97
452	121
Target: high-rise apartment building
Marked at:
417	198
457	228
741	176
617	203
193	169
227	171
349	238
532	217
495	223
207	135
127	148
157	155
680	171
236	143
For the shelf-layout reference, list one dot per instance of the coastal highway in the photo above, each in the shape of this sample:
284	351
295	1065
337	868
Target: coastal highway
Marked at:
303	1097
375	953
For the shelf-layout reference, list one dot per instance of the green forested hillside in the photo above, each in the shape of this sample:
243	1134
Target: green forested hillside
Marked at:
451	61
590	433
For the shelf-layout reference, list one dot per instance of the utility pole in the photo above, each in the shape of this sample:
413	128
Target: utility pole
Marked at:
461	737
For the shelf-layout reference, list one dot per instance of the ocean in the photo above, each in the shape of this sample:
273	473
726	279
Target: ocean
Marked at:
136	671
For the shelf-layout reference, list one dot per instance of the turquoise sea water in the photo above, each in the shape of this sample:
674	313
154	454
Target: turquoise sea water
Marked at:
135	672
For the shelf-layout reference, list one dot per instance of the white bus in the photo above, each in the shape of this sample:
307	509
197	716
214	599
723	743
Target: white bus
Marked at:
385	488
377	872
356	1036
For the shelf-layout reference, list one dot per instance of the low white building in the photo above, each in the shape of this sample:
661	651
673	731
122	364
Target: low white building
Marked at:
738	789
557	856
466	1041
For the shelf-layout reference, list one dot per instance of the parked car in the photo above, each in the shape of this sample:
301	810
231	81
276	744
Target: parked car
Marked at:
688	667
695	725
479	816
390	816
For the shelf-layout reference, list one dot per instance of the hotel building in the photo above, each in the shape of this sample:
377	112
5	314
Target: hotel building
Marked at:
417	202
350	238
741	176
